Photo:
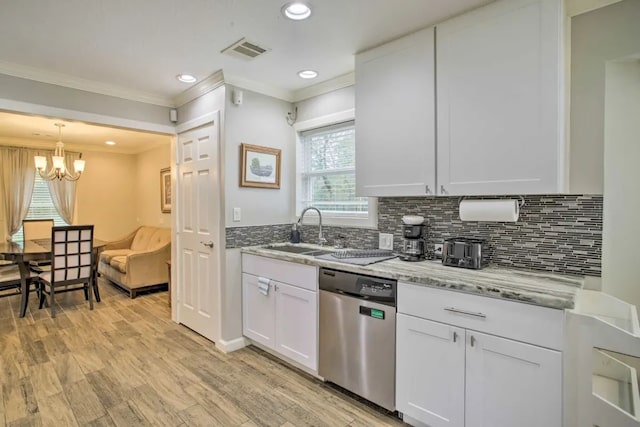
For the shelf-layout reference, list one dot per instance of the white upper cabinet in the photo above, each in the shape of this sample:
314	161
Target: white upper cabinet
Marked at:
499	96
395	118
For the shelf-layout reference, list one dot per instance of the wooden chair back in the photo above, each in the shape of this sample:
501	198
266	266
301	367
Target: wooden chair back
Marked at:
71	254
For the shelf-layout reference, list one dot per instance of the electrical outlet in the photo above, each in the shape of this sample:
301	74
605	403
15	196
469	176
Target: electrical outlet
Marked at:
237	214
385	241
437	250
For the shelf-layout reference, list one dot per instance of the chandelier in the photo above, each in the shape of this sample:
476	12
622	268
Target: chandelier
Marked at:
59	169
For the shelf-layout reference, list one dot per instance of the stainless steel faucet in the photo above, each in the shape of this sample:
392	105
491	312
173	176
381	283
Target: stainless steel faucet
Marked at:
321	239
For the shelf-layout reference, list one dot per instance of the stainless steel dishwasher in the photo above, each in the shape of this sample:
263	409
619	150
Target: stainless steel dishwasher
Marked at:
358	334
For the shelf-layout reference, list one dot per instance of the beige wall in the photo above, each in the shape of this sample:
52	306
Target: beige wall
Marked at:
106	194
147	189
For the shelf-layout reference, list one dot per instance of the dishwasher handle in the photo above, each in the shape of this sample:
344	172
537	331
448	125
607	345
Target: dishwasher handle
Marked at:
351	294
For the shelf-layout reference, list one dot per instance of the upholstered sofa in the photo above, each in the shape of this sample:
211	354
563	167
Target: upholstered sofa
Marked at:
138	261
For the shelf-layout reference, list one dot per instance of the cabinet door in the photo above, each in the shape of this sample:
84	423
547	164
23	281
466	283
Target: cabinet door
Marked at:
258	312
297	325
498	100
395	118
510	383
430	371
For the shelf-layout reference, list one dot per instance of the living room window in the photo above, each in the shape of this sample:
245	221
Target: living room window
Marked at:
327	175
41	206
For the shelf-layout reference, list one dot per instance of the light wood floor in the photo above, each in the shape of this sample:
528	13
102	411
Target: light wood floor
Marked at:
126	363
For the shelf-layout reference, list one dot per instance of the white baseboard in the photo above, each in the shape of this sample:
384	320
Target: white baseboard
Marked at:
233	345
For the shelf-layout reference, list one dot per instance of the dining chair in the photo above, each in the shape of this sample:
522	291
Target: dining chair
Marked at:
10	278
34	229
72	264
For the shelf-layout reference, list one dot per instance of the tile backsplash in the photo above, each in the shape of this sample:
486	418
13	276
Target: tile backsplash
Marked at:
560	234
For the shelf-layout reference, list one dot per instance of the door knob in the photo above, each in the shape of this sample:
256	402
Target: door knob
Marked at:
209	245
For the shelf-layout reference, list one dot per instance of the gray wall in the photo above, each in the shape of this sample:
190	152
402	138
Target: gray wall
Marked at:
604	34
33	92
620	268
260	120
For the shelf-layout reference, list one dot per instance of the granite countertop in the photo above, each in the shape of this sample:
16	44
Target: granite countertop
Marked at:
544	289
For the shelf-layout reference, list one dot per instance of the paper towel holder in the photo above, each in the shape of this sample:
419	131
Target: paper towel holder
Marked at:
521	203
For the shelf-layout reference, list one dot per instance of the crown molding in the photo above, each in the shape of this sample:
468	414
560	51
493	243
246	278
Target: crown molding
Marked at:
59	79
263	88
205	86
327	86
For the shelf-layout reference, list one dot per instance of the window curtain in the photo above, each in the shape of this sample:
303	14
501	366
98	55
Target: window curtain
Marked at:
17	178
63	193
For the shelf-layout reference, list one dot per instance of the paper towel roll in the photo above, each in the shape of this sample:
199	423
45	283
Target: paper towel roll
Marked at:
507	210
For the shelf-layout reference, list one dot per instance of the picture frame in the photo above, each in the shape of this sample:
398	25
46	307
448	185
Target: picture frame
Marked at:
260	166
165	190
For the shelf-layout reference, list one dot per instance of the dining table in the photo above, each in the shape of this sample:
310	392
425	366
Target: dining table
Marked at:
24	252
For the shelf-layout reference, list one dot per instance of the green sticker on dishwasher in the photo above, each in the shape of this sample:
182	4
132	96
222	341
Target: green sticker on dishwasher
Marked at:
378	314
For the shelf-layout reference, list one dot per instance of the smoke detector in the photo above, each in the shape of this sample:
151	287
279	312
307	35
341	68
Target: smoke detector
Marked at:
245	49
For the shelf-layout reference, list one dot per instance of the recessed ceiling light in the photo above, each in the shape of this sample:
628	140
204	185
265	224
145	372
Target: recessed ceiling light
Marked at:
110	142
186	78
296	11
308	74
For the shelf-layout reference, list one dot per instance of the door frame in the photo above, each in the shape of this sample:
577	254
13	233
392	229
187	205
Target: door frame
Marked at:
220	241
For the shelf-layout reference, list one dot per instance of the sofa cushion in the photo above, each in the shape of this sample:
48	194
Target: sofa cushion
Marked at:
149	238
119	263
108	254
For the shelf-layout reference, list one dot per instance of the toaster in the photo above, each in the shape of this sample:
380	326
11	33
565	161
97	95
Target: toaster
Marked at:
465	252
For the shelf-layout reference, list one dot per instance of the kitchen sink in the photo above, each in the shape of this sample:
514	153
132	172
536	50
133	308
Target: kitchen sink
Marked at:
290	249
318	252
299	250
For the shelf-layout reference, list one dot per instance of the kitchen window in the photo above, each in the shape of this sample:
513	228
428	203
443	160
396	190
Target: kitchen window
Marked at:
327	175
41	206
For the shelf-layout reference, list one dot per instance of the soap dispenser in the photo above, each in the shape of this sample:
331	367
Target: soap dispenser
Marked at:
295	233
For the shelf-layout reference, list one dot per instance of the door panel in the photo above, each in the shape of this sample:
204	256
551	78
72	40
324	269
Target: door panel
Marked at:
498	71
258	312
430	371
296	324
198	198
510	383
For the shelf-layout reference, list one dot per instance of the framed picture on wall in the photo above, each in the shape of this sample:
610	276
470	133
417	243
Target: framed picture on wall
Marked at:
165	190
260	166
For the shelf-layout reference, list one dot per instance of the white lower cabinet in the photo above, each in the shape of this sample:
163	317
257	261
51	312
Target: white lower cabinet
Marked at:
509	383
284	320
453	376
296	325
430	371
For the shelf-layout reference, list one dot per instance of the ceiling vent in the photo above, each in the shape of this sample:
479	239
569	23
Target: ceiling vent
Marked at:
245	49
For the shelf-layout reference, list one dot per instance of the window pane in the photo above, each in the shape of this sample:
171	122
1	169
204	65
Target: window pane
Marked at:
328	170
336	193
41	206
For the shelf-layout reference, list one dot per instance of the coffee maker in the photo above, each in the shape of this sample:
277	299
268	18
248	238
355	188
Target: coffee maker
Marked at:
413	233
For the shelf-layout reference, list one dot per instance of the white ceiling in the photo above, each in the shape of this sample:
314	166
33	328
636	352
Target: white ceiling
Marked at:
141	45
40	132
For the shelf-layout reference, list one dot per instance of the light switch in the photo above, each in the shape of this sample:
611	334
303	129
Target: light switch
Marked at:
385	241
237	214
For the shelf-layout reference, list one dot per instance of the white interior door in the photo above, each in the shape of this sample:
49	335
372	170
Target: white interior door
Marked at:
198	253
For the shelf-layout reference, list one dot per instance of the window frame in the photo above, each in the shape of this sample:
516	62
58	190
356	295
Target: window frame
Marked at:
371	221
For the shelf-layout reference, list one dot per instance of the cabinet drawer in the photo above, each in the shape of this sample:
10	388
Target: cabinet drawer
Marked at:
301	275
522	322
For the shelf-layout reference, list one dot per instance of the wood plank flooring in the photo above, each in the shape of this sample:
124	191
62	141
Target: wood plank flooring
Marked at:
127	364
